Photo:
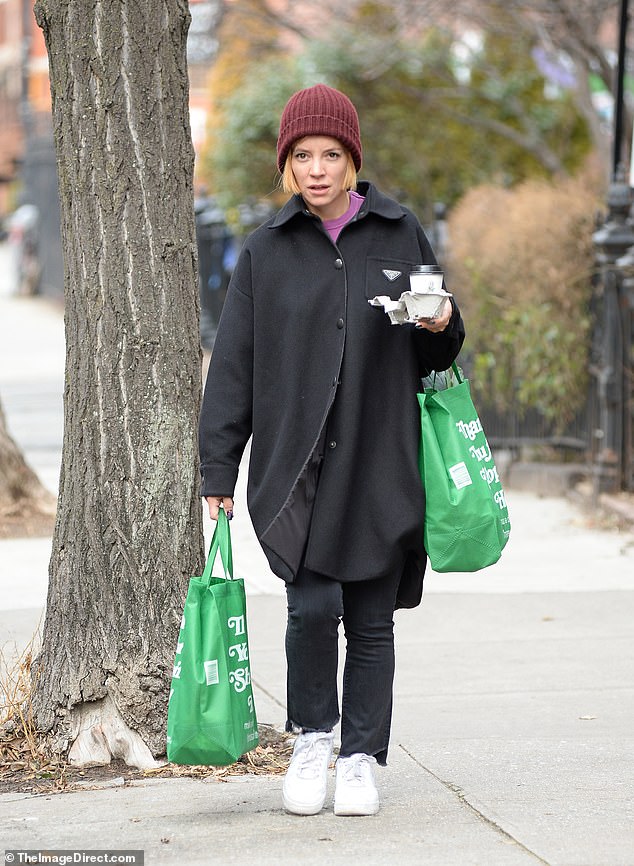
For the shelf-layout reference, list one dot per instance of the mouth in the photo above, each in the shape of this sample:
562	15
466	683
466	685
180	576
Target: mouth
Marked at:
319	188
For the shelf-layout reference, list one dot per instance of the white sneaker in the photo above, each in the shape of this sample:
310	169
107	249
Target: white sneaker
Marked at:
306	780
355	792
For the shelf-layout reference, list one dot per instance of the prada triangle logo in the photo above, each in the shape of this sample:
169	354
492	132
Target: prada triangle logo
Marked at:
392	275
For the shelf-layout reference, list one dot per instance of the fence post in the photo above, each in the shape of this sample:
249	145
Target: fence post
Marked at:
611	241
626	309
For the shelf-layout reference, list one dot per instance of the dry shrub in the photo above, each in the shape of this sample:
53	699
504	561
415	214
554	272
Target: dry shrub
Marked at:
522	264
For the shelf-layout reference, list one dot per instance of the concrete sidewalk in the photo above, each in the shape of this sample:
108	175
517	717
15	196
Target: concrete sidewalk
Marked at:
513	740
512	744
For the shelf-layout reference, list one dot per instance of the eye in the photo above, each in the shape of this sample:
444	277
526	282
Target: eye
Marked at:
300	155
334	154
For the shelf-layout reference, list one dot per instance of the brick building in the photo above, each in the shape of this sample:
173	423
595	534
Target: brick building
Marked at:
11	95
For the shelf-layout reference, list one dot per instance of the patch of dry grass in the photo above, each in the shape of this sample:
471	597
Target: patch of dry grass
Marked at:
25	757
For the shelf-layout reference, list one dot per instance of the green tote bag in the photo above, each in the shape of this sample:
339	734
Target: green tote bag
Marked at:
211	716
466	517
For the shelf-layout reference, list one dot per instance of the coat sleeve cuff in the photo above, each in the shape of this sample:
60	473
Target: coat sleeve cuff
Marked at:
218	480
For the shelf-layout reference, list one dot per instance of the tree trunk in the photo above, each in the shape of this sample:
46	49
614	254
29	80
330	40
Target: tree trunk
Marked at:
129	525
21	492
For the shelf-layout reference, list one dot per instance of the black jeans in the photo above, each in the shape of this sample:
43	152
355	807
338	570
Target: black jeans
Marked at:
316	605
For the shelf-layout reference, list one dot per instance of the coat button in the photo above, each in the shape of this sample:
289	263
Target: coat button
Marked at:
338	264
340	323
332	444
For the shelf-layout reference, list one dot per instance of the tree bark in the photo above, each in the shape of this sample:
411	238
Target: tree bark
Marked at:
21	492
129	525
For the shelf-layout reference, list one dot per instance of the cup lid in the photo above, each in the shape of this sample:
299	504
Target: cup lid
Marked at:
426	269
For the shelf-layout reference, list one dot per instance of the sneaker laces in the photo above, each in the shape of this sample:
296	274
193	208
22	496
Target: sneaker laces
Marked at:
357	768
310	752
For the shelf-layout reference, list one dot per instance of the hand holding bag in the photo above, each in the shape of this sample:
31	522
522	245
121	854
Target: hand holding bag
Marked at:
466	517
211	716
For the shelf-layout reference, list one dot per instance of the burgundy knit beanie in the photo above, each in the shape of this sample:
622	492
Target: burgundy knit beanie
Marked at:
319	110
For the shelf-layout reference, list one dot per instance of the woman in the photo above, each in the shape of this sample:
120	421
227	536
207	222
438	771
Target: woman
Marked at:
327	388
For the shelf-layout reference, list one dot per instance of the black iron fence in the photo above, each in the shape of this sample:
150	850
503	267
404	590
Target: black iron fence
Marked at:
612	361
516	430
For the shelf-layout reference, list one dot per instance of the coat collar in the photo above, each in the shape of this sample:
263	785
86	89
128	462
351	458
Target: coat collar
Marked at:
375	202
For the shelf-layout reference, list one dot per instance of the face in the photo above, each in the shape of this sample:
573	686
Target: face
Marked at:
320	165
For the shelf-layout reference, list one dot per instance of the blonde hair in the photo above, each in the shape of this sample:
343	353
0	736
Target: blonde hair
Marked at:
290	185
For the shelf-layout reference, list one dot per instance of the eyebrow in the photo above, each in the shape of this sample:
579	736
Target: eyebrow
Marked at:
301	149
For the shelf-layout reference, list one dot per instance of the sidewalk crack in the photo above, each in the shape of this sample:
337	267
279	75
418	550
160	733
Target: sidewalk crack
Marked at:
457	790
268	694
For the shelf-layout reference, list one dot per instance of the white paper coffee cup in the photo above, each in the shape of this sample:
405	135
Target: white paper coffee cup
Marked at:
424	279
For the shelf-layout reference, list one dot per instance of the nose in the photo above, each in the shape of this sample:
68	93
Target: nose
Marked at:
316	169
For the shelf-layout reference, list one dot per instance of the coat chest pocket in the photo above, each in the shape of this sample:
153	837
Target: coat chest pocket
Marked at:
387	276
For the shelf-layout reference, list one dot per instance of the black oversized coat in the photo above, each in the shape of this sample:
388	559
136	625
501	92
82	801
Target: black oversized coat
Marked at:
327	388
